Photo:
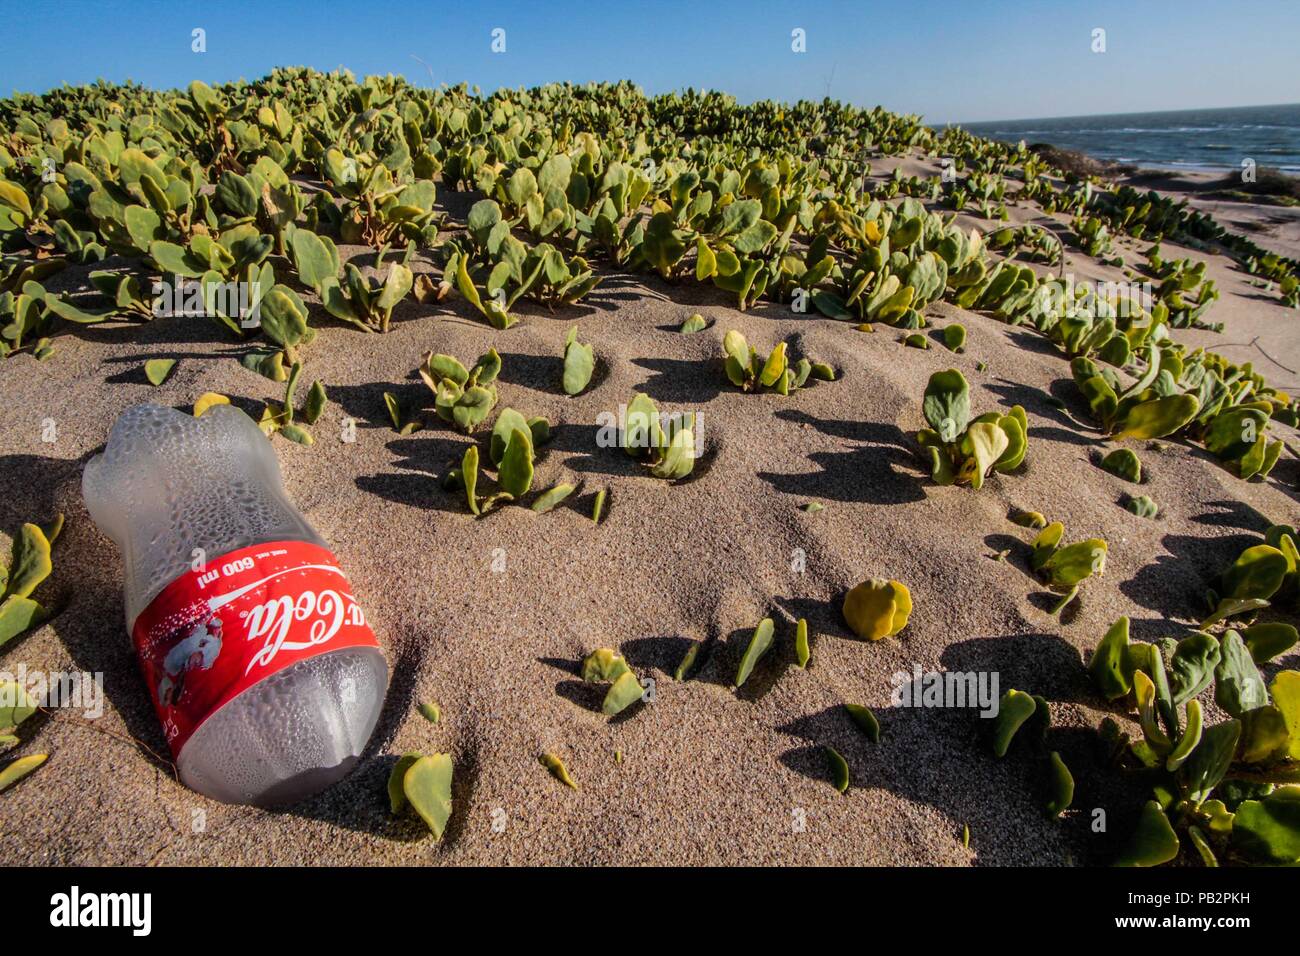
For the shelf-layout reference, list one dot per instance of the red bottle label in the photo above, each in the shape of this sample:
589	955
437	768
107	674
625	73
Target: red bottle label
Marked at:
213	633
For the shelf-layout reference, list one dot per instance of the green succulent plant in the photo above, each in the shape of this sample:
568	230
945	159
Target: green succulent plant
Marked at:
423	783
364	302
1065	567
579	363
30	563
607	666
279	419
1123	463
1217	786
747	370
877	608
965	450
512	453
669	452
1139	411
1262	574
463	397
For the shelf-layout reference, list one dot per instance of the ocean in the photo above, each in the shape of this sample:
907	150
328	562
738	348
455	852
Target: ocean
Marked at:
1215	139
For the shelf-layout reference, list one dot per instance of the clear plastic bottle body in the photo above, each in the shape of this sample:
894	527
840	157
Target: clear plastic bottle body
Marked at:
168	484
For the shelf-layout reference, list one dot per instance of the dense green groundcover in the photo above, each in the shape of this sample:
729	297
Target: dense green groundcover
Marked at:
259	184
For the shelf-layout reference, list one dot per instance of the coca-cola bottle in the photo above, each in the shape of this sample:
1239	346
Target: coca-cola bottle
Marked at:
266	677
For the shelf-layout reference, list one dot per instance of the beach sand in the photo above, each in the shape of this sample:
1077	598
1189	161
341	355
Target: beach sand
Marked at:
708	774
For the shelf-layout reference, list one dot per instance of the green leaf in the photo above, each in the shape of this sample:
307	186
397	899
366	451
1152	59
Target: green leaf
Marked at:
623	693
641	432
602	665
839	769
687	664
157	370
1110	667
66	310
143	226
947	404
1014	709
30	562
1123	463
579	363
865	720
1154	842
283	317
312	259
17	615
515	475
473	407
16	705
1014	427
1190	739
396	795
760	642
1045	544
1060	784
1160	417
176	259
1286	697
694	323
801	650
822	372
954	336
1205	768
983	444
877	608
315	406
469	475
296	433
1191	667
1268	830
678	458
1075	563
558	770
1267	641
508	421
1257	573
17	769
1142	506
551	497
1237	685
394	410
439	366
774	367
427	786
269	364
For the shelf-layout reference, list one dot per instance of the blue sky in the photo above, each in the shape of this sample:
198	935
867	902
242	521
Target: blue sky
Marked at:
951	60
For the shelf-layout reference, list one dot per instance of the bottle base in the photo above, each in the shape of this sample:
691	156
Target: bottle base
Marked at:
291	735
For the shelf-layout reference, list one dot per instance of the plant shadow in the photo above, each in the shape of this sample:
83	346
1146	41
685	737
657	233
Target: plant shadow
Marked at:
1173	585
941	757
875	471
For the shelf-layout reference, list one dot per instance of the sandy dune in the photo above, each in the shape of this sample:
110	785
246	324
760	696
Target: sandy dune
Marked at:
707	774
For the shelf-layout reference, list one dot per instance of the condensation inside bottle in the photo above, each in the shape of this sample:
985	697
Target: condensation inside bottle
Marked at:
167	484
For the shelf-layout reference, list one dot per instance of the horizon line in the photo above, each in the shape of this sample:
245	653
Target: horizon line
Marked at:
1073	116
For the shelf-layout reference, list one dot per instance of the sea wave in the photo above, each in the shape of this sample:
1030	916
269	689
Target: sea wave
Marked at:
1216	138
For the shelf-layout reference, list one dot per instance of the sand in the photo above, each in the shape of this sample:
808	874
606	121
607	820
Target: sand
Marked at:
708	775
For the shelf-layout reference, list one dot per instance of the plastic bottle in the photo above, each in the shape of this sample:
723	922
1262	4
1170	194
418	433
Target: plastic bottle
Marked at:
263	671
